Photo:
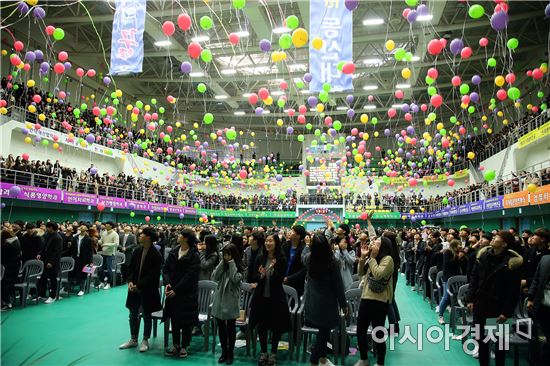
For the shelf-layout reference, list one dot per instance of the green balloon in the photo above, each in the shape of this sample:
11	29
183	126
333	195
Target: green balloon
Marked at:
512	43
83	106
301	138
161	122
340	65
540	94
45	142
544	106
309	126
238	4
139	104
161	110
489	175
323	96
317	132
132	214
374	121
445	200
300	84
206	55
58	34
153	101
208	118
476	11
231	134
399	54
423	222
201	88
158	218
432	91
491	62
285	41
292	22
281	103
411	2
429	80
453	119
327	87
443	132
408	56
314	143
464	89
206	22
514	93
166	138
337	125
471	109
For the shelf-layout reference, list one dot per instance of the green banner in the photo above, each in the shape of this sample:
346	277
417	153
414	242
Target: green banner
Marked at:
247	214
376	216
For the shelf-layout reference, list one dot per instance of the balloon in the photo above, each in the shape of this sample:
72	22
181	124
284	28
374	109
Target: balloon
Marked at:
351	5
348	68
100	206
206	55
184	22
491	62
59	68
168	28
456	46
206	22
390	45
208	118
292	22
512	43
186	67
265	45
471	155
483	42
531	187
436	101
406	73
239	4
147	218
58	34
489	175
476	11
285	41
435	47
201	88
299	37
194	50
317	43
466	52
399	54
234	39
514	93
499	20
464	89
14	191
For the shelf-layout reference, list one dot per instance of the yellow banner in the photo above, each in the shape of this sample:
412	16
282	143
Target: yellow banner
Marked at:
534	135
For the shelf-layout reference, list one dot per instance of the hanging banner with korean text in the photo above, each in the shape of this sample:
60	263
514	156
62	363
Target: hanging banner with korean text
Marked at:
127	41
331	21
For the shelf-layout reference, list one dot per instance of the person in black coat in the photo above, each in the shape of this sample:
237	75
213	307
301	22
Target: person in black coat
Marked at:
538	303
181	278
50	255
494	289
82	251
11	260
295	271
31	243
268	308
143	288
538	248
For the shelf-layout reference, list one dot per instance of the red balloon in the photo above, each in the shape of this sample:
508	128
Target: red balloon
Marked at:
433	73
184	22
101	206
456	80
25	156
59	68
348	68
436	100
90	73
301	119
466	52
15	60
399	94
253	99
263	93
194	50
302	109
283	85
537	74
435	47
36	98
501	94
18	45
50	29
234	39
168	28
80	72
62	56
147	218
392	112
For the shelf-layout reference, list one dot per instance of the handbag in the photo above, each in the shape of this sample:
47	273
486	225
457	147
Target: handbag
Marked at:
377	286
89	269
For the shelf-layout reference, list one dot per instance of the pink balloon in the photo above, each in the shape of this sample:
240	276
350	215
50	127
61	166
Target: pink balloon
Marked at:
301	119
168	28
283	85
537	74
433	73
510	78
50	29
59	68
90	73
466	52
501	94
399	94
348	68
253	99
194	50
234	39
456	80
392	112
263	93
184	22
80	72
18	45
436	100
302	109
62	56
451	183
483	42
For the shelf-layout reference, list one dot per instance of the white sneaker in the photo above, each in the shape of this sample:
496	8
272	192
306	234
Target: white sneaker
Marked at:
107	287
241	335
101	285
50	300
80	293
144	347
130	344
441	320
437	309
328	363
362	363
413	288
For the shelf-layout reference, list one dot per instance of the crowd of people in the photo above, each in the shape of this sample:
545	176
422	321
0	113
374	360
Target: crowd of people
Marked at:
504	269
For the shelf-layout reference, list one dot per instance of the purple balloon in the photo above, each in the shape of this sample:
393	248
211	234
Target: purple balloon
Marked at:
405	107
411	18
312	101
547	11
351	5
24	131
387	132
278	177
476	79
186	67
308	77
90	138
290	130
474	97
350	113
106	80
14	191
93	170
456	46
67	65
44	66
422	9
39	55
410	130
259	111
30	56
415	108
349	99
182	216
22	7
38	12
265	45
3	205
499	21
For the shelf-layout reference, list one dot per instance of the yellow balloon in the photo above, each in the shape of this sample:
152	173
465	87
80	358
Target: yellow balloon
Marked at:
406	73
118	93
178	124
42	117
55	145
439	126
390	45
31	108
83	143
269	100
195	125
92	96
365	136
299	37
134	117
279	122
3	110
505	122
499	80
484	118
282	55
531	187
320	107
87	130
252	144
30	83
4	53
252	133
317	43
376	134
129	107
471	155
28	140
500	114
364	118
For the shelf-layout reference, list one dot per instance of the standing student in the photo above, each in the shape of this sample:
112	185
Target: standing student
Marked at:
324	286
181	278
127	244
454	264
225	307
292	249
143	288
268	308
82	252
256	241
109	242
538	302
208	253
51	256
11	260
376	268
493	291
345	257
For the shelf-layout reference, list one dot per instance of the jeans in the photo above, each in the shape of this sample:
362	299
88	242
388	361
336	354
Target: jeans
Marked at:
411	273
445	301
227	334
320	347
106	269
371	312
135	322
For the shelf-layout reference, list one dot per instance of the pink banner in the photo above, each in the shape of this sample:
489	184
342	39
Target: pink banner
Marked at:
76	198
113	202
31	193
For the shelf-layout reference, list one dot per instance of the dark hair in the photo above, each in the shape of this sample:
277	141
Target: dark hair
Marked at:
151	233
346	229
113	225
514	229
30	226
211	244
300	230
321	256
259	237
385	248
203	234
237	240
232	250
544	234
528	232
53	225
508	238
487	236
394	248
278	248
191	237
454	235
436	234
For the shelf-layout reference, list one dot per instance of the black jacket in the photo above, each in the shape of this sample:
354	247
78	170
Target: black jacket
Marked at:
11	258
531	259
51	253
495	283
453	266
297	274
148	293
31	246
183	277
539	282
86	254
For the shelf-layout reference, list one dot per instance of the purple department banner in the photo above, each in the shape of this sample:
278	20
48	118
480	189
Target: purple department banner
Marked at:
31	193
77	198
137	205
113	202
494	203
127	39
331	21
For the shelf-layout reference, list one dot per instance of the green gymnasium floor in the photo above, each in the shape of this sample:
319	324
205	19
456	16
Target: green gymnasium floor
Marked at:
87	331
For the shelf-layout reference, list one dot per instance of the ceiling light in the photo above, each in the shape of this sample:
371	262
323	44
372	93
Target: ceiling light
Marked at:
221	97
197	74
424	18
246	95
373	21
164	43
304	91
342	108
242	33
403	86
239	113
397	105
277	93
369	106
415	58
313	109
372	61
370	87
200	38
266	111
281	30
229	72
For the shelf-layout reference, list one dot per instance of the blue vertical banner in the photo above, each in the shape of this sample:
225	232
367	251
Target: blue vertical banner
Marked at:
127	41
331	21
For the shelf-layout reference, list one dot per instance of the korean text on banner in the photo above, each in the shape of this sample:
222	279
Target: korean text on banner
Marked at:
127	41
331	21
516	199
540	196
